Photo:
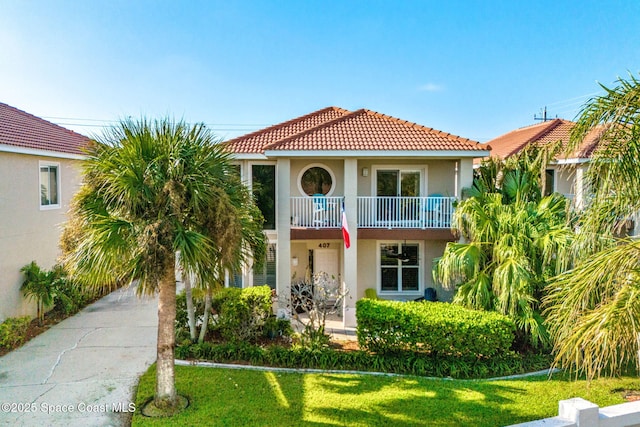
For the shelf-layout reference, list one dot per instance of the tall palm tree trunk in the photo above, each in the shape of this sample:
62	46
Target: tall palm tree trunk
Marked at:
166	396
191	311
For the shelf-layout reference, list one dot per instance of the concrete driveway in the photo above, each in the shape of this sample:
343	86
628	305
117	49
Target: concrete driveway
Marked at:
82	371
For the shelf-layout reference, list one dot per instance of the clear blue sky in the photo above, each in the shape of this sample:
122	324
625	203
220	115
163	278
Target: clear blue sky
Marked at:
473	68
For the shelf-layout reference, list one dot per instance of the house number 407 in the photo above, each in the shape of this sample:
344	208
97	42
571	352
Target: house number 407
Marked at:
324	245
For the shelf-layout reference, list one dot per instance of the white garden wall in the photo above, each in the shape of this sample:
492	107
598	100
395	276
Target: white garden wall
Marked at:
578	412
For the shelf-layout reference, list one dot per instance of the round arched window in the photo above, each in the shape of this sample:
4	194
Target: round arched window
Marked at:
316	179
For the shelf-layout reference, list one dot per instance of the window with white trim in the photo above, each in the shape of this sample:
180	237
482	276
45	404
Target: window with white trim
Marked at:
550	182
399	267
49	185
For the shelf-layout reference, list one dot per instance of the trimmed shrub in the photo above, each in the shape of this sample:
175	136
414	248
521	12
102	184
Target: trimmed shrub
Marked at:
13	331
509	363
242	313
431	328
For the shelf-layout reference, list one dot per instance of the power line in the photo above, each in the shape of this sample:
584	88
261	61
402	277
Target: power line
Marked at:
77	119
572	99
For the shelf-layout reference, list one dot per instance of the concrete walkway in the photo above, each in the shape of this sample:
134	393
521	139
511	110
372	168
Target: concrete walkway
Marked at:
82	371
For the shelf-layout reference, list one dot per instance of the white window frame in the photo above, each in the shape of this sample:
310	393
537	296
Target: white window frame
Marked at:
399	292
555	179
422	169
48	164
316	165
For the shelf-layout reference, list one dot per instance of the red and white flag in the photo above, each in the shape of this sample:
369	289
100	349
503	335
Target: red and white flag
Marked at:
345	229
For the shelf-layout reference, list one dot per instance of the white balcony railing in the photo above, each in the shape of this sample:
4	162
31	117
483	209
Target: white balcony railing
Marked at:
405	212
374	212
316	212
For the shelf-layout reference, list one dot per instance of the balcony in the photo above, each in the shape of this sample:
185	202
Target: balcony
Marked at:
316	212
405	212
374	212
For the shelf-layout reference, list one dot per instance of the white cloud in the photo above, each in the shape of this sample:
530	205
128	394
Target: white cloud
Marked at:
431	87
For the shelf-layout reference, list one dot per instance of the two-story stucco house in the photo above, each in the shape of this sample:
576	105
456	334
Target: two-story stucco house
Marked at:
396	181
39	174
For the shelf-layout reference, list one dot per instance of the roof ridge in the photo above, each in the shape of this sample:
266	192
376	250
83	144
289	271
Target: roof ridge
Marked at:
40	119
315	128
286	123
422	127
552	125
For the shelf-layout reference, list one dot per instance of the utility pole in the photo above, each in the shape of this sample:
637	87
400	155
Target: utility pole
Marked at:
544	117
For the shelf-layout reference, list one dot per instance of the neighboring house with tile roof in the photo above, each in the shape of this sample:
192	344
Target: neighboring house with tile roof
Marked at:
565	174
39	174
396	180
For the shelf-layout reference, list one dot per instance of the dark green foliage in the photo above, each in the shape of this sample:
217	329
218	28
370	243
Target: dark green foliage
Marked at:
432	328
242	313
275	327
407	363
13	331
68	296
55	289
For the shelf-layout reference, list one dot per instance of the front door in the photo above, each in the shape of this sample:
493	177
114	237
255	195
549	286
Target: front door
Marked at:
326	261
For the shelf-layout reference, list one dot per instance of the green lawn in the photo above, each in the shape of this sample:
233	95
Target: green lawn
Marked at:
227	397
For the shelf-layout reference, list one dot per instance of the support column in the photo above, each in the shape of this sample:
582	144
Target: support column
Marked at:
283	229
350	258
465	175
579	190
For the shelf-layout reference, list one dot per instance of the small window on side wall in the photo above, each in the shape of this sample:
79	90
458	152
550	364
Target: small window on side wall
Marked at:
49	185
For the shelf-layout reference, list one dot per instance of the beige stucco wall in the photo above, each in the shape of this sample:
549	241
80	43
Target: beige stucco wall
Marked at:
565	180
28	233
368	268
440	174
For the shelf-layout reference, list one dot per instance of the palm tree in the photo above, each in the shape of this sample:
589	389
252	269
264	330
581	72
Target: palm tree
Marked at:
594	310
512	236
38	286
152	189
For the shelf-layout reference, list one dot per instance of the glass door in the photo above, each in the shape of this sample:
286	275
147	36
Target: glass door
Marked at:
397	192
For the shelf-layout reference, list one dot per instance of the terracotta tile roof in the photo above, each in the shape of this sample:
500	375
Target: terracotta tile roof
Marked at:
21	129
254	142
542	134
361	130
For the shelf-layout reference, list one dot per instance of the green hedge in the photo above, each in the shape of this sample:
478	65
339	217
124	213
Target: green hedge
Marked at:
431	328
13	331
509	363
242	313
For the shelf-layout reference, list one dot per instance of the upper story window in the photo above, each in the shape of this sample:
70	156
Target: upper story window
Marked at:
316	179
263	185
398	182
49	185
